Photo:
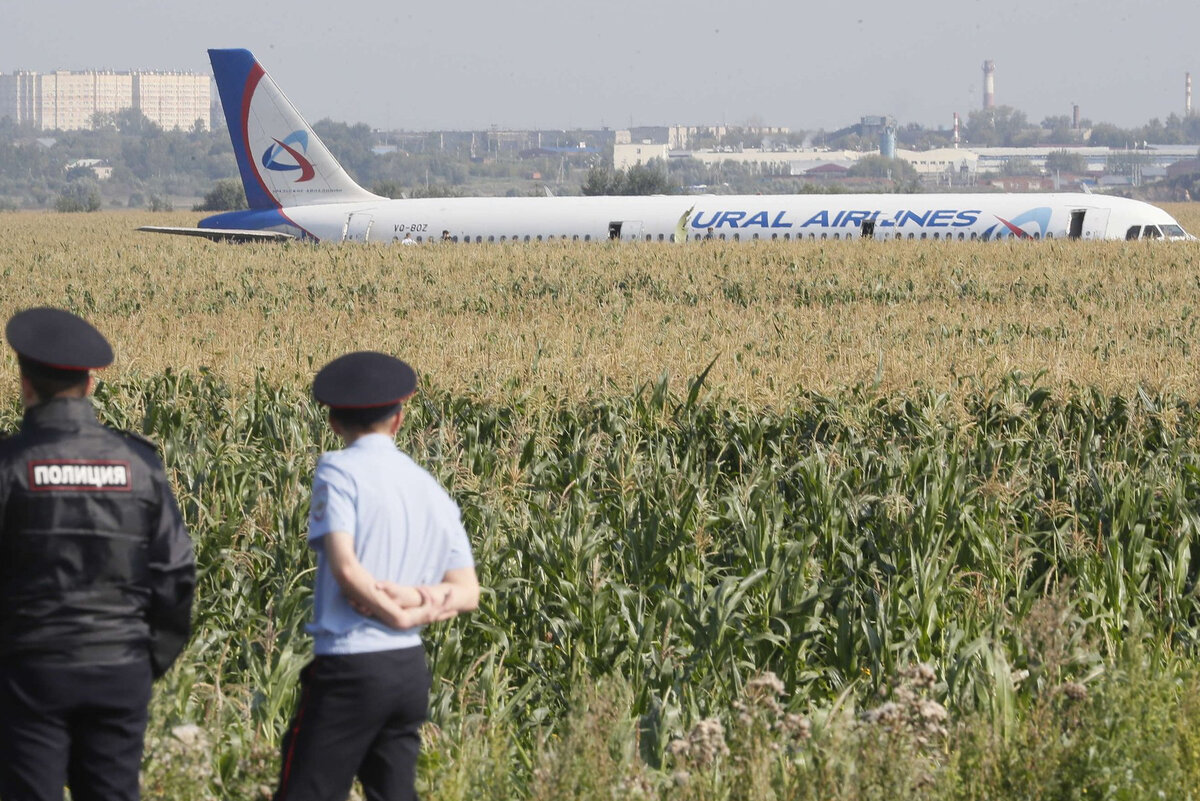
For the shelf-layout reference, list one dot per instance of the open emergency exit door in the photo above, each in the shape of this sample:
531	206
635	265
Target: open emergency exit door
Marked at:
358	227
1088	224
625	230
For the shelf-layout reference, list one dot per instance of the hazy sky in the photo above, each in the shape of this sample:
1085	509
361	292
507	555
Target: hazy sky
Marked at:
534	63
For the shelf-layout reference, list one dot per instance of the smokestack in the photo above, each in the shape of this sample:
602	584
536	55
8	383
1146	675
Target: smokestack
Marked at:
1075	117
1187	98
989	84
956	129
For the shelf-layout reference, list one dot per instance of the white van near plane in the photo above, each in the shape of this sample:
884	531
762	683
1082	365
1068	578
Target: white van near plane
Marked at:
297	190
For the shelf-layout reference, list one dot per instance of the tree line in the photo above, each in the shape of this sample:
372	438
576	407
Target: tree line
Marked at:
153	168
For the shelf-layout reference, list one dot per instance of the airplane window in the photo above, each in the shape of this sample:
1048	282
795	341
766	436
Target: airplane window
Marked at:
587	237
1134	232
774	237
420	239
539	238
837	236
697	237
824	235
936	235
924	235
1049	234
1151	232
813	236
737	237
503	238
1037	234
1172	230
974	235
722	237
661	237
649	237
911	235
754	237
478	239
575	238
787	237
961	236
527	237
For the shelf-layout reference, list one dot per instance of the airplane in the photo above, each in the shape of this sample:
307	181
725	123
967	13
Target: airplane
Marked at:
296	189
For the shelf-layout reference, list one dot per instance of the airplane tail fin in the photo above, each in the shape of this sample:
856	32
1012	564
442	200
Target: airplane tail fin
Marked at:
281	160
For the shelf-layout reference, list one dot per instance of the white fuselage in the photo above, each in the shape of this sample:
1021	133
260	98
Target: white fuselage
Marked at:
740	217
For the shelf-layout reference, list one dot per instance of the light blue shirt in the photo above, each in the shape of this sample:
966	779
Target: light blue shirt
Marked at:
406	529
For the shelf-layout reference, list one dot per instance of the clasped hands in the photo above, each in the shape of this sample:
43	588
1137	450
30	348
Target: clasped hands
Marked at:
403	607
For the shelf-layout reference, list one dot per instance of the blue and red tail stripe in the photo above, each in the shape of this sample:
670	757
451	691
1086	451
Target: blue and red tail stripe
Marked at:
238	74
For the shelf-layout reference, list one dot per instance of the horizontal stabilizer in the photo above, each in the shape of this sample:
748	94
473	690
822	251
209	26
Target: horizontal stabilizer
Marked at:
221	234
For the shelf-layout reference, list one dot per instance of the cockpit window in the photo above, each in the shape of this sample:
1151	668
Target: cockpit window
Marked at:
1173	231
1151	232
1134	232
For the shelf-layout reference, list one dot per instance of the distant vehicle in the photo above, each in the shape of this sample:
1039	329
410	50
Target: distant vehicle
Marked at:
297	190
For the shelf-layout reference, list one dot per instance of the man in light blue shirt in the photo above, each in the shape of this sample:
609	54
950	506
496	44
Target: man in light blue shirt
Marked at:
392	556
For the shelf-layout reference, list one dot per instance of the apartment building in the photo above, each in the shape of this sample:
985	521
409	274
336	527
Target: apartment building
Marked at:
66	100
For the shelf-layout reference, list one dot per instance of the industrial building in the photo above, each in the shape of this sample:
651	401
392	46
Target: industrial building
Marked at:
66	101
943	166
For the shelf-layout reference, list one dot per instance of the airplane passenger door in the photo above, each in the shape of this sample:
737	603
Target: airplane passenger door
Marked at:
1095	224
625	230
358	227
1088	224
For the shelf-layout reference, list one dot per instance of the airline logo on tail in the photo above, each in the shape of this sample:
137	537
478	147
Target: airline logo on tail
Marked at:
281	160
270	156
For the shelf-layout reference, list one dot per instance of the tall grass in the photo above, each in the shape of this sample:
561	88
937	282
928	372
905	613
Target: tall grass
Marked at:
583	318
682	544
969	579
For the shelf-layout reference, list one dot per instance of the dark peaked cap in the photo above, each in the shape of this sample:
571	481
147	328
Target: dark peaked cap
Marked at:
364	380
58	339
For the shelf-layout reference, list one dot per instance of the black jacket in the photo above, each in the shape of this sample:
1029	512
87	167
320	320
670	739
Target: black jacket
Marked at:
96	566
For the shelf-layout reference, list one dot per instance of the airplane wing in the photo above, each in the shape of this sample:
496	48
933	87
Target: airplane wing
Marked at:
221	234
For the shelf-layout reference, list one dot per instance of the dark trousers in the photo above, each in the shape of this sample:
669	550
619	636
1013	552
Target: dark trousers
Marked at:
358	715
78	726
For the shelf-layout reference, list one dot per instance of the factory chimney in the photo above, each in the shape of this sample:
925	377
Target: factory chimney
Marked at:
989	84
1187	97
1075	117
956	130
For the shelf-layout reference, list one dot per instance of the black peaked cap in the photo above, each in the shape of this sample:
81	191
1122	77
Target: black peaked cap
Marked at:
58	339
363	380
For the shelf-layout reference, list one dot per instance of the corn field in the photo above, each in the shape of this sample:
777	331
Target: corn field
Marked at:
854	520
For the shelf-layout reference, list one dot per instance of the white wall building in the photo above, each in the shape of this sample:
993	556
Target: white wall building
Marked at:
65	100
946	165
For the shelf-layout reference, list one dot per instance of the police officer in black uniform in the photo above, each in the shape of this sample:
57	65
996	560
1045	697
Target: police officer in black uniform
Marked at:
96	576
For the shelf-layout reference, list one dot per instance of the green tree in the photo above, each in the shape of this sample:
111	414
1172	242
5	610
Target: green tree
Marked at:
648	179
1019	166
995	127
640	179
601	181
1108	135
897	170
1062	161
227	195
79	195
